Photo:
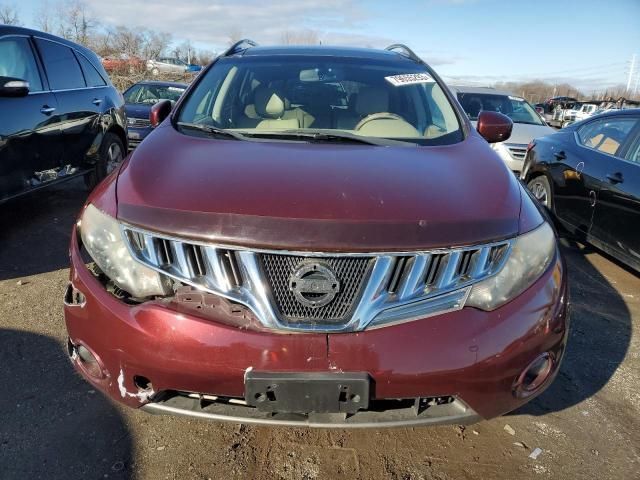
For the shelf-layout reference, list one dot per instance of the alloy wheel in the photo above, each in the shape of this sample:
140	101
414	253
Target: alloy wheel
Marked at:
540	192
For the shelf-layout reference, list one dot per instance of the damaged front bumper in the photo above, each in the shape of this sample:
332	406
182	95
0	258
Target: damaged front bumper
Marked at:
457	367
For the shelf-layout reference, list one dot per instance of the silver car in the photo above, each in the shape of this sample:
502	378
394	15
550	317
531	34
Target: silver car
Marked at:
527	124
166	65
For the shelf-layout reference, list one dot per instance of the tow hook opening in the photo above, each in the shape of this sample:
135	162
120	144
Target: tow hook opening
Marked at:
74	297
534	375
143	384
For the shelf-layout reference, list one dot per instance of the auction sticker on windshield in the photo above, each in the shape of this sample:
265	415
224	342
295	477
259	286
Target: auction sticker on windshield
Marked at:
409	79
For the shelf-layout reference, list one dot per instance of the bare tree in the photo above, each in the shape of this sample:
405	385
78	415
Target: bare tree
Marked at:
300	37
9	15
126	41
205	57
43	17
155	44
184	51
75	21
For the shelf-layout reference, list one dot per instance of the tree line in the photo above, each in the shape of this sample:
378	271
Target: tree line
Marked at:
73	20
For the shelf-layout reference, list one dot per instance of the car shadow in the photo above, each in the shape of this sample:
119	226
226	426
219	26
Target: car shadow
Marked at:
54	424
599	336
35	229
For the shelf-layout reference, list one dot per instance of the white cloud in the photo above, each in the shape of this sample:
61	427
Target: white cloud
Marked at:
212	22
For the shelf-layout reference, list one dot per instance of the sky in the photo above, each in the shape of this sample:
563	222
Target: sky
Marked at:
587	42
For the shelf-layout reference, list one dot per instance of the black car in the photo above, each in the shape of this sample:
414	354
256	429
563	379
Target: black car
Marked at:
139	99
588	175
60	116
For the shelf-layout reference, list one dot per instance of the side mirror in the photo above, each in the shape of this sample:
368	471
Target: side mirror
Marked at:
494	127
159	112
13	87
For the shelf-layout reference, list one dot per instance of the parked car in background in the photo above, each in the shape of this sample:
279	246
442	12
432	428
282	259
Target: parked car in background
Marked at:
61	117
266	261
527	123
123	64
552	104
579	111
588	175
139	99
171	66
192	68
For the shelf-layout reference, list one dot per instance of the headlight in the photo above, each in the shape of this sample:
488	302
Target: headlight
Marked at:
531	254
102	237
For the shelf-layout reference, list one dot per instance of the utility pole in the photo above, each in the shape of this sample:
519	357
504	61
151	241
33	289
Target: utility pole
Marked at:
631	70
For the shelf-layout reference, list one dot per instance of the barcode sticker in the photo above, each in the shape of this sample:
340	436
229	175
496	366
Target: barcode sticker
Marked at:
409	79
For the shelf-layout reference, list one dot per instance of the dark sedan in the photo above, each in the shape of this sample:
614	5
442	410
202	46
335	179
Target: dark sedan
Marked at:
588	175
140	98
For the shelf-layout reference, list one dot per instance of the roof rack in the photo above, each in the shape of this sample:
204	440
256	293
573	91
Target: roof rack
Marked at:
406	51
239	46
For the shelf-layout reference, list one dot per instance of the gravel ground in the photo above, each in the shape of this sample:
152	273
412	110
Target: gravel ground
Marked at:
54	425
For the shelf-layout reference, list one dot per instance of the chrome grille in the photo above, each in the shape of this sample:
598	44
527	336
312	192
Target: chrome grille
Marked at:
376	289
351	271
138	122
517	150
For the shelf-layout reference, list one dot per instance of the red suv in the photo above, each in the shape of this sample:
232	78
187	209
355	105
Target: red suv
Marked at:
317	236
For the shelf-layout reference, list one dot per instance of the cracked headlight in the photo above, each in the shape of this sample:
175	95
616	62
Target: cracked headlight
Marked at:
530	256
102	237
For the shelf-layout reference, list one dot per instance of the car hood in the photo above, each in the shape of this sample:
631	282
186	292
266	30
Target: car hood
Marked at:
135	110
301	196
523	133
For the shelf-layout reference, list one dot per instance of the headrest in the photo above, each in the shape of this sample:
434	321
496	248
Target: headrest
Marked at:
372	100
268	103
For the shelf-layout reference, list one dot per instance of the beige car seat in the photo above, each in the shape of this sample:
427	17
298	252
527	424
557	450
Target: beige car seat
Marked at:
268	112
376	120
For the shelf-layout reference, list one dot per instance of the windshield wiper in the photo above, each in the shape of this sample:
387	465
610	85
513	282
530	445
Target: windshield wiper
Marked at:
209	130
332	136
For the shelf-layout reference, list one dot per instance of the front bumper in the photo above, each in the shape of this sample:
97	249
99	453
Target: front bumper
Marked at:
458	367
136	135
514	164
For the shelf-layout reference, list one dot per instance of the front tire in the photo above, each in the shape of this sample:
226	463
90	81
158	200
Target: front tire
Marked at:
109	158
541	189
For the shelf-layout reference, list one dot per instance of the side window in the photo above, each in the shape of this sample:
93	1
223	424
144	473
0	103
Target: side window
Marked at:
607	134
61	65
91	75
634	152
17	61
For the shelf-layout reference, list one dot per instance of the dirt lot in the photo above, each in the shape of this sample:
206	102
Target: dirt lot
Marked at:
54	425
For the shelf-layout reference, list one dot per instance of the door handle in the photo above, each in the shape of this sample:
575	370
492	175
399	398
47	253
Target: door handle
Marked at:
47	110
560	155
96	101
615	177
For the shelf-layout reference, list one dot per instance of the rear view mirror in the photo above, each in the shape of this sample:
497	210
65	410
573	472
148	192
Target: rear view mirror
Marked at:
13	87
494	127
159	112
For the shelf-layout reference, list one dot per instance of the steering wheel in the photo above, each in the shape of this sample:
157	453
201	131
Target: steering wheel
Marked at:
378	116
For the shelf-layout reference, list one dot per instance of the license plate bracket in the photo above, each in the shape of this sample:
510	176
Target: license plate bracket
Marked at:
307	392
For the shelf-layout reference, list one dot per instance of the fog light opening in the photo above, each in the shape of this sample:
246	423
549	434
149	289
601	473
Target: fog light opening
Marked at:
87	361
534	375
